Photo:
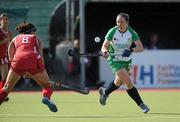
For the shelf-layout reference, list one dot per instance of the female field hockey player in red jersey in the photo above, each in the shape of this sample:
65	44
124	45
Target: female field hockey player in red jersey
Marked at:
5	38
25	56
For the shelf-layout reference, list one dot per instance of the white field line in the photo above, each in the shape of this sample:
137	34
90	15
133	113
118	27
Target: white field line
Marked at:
91	116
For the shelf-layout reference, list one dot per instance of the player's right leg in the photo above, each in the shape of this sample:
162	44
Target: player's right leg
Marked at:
103	96
11	81
104	92
43	80
4	72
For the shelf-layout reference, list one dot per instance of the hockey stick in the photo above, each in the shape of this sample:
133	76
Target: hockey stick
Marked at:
84	91
71	52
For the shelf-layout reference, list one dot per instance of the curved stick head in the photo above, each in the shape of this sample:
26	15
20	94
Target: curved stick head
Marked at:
86	91
70	52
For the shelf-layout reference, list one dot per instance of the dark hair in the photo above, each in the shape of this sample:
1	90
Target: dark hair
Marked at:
125	15
25	28
3	15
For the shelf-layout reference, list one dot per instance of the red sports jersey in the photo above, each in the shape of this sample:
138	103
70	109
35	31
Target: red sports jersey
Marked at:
3	47
27	57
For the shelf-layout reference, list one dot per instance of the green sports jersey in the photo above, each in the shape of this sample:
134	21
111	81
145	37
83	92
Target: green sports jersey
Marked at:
118	42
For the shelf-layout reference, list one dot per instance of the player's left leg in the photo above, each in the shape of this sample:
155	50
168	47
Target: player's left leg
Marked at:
43	80
132	91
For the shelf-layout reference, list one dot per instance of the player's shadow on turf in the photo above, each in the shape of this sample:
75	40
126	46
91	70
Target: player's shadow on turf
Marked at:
165	113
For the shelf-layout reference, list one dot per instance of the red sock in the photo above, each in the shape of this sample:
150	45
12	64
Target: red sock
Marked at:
3	95
2	82
47	92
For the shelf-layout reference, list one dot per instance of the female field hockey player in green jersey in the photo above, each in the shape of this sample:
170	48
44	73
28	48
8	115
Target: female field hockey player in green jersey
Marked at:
122	40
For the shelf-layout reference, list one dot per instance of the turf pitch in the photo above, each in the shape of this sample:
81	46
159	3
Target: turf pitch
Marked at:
74	107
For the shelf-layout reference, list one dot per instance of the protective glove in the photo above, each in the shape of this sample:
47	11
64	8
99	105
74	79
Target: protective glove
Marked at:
127	52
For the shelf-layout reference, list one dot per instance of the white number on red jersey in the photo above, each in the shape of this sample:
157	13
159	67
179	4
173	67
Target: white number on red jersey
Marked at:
25	39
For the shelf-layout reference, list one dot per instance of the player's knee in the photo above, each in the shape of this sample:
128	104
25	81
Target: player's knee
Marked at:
118	82
129	84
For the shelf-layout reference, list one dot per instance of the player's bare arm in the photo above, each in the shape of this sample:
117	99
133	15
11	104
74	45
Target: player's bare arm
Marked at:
11	50
41	50
139	47
6	40
10	38
105	46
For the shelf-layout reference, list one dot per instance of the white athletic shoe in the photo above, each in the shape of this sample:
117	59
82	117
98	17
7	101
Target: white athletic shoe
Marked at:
144	108
103	96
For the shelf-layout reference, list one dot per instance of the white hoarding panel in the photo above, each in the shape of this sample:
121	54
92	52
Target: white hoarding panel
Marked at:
150	69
